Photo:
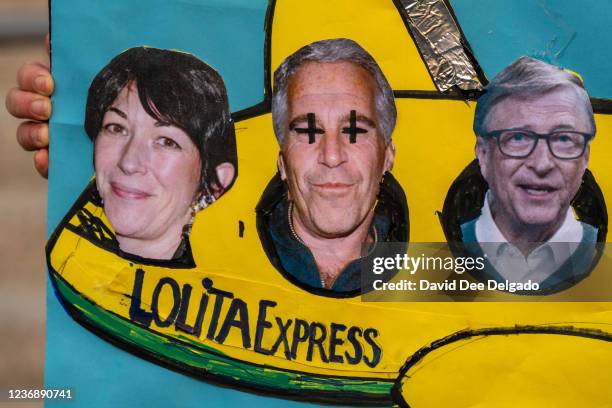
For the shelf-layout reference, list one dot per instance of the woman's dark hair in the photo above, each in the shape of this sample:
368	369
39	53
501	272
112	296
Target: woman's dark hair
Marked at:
174	88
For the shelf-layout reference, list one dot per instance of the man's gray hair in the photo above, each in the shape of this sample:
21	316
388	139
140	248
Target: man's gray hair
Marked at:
527	77
333	50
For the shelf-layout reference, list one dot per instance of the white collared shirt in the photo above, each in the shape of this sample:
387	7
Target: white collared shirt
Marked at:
541	263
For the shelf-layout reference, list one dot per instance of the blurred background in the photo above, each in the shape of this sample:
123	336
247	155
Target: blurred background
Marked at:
23	202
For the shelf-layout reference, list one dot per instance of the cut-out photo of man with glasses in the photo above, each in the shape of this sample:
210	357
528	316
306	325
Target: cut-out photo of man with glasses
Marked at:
534	126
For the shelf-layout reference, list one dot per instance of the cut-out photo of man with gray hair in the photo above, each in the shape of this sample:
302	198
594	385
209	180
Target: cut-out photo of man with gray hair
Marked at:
534	126
333	200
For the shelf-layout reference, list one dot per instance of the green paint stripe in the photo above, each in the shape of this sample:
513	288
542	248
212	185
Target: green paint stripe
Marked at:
200	357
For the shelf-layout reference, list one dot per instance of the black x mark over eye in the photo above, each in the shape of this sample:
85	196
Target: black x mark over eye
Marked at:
352	130
312	128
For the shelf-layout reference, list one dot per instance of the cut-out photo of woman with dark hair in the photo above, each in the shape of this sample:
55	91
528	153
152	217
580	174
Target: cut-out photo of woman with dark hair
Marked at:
528	204
164	148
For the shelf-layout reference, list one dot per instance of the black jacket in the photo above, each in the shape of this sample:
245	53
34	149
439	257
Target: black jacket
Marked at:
390	220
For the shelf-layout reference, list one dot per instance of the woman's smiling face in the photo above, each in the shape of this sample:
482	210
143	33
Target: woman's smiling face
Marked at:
148	175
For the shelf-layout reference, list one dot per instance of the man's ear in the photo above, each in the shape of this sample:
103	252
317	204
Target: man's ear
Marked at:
389	157
482	150
280	163
225	174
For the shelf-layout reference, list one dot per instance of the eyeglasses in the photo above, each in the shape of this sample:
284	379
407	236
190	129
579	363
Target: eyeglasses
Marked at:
519	144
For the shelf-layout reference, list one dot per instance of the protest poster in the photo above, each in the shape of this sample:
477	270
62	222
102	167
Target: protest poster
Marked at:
221	318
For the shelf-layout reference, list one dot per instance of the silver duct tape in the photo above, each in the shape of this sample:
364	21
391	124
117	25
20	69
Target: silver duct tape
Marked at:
439	40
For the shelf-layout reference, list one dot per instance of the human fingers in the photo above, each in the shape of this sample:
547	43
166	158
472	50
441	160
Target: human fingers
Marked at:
35	77
28	105
41	162
33	135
